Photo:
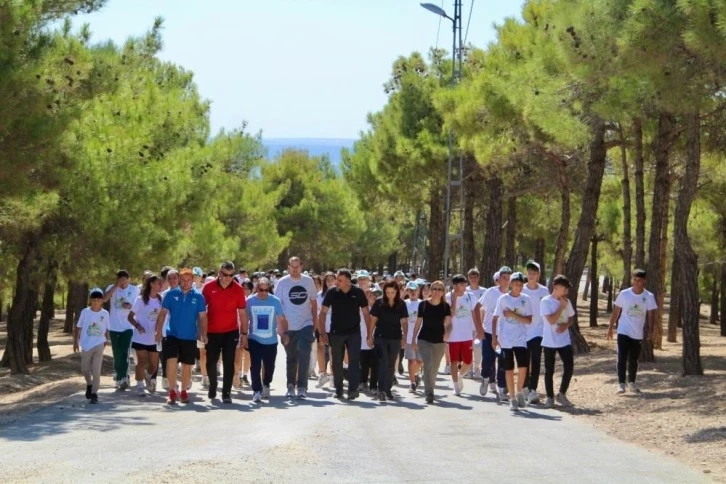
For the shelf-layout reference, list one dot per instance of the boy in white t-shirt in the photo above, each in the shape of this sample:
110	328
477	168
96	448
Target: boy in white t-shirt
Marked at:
91	332
477	291
415	362
633	308
536	292
514	314
557	313
465	323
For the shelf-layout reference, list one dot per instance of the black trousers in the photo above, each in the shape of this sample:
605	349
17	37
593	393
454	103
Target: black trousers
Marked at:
386	353
339	343
534	349
226	344
628	354
261	355
568	363
369	368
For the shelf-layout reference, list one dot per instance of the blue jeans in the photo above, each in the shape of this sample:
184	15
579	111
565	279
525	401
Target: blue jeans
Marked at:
489	359
298	356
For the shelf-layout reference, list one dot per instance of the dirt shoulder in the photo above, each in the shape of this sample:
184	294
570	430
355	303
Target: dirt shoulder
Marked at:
682	417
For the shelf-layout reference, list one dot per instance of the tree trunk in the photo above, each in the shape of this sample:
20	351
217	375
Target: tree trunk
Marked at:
76	301
713	319
539	257
588	279
639	197
723	276
437	237
47	312
609	308
688	260
16	351
510	251
627	237
558	264
674	314
493	232
393	262
472	185
659	214
586	224
594	282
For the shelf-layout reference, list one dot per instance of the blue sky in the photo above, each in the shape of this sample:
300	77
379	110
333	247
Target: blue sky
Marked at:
293	68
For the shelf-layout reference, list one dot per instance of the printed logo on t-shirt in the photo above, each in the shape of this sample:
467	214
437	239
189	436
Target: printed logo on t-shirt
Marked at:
153	315
94	329
636	311
298	295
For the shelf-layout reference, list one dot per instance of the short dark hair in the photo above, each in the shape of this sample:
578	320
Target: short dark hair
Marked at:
345	272
458	279
122	273
242	270
473	272
164	271
227	265
560	280
639	273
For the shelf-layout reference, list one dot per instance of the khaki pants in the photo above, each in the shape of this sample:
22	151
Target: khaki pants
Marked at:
91	366
431	354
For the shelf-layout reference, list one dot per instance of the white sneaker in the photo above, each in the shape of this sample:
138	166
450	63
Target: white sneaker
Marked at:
461	384
165	384
563	400
311	374
513	405
493	387
447	369
290	391
457	387
151	385
503	397
257	397
520	400
533	397
323	379
140	389
483	387
550	402
470	373
633	388
265	392
205	382
621	388
302	394
124	384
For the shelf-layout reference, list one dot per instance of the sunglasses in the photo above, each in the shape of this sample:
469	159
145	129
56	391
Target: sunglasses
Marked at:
224	274
262	289
437	288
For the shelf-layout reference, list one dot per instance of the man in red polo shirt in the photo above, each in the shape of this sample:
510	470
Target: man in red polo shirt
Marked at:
226	323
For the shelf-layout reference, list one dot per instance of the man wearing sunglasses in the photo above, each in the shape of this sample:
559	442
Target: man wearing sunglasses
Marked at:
226	327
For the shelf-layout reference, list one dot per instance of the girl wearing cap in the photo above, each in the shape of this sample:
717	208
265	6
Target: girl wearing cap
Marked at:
514	314
142	317
91	334
433	323
413	357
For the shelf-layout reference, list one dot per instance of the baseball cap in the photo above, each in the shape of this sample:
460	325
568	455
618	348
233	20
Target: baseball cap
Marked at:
505	270
363	274
197	271
377	291
399	274
96	293
517	276
496	276
532	265
413	285
459	279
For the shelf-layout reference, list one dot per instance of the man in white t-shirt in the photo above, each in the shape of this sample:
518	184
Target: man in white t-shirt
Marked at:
477	291
633	308
121	295
490	375
536	292
513	314
465	322
557	314
297	294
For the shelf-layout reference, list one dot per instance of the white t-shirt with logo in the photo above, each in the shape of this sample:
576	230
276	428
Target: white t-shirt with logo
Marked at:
550	337
364	333
145	315
489	304
535	329
412	307
634	309
119	315
511	332
462	320
92	328
478	292
295	296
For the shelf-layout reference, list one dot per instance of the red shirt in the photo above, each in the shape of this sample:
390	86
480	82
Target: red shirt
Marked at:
222	306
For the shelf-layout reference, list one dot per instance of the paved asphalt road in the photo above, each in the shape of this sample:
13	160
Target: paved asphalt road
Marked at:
130	439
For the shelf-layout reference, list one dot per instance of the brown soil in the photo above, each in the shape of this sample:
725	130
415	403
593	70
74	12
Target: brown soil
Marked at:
678	416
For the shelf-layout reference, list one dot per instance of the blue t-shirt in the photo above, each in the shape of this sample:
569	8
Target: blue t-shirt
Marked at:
183	312
263	314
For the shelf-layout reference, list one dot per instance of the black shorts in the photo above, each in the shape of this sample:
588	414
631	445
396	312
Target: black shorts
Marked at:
181	349
143	347
520	354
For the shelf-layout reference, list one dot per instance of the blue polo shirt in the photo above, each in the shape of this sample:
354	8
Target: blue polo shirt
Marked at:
183	311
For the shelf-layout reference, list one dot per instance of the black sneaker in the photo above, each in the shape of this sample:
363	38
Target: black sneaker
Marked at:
412	388
400	369
382	396
245	380
389	395
212	393
88	392
94	398
353	395
339	394
429	398
226	398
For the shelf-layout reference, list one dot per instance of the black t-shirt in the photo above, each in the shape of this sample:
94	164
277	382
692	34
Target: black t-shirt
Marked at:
432	327
345	307
388	325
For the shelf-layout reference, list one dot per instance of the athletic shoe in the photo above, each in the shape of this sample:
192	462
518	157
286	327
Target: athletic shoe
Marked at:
312	375
483	387
339	394
382	396
503	397
172	397
88	392
493	387
124	384
117	384
257	397
457	388
633	388
447	369
533	397
184	397
430	398
265	392
469	374
461	384
395	380
621	388
514	405
94	398
212	393
302	394
140	392
151	385
389	395
226	398
323	379
400	368
353	395
520	400
290	391
245	380
363	387
205	382
563	400
165	384
412	388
